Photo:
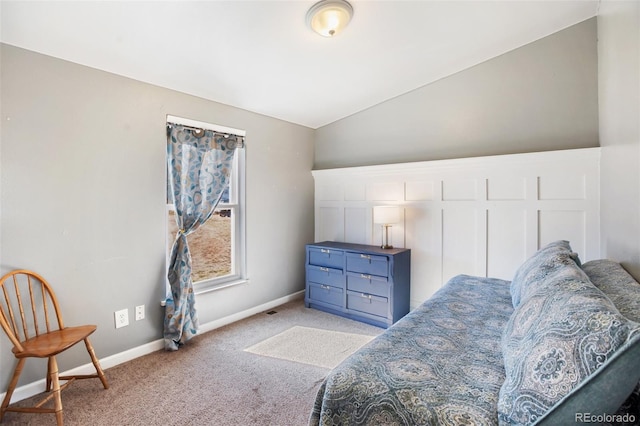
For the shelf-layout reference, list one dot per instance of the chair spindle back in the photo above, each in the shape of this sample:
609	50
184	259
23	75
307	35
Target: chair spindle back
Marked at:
28	307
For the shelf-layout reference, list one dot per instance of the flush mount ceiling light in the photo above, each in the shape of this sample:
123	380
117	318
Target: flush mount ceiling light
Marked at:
329	17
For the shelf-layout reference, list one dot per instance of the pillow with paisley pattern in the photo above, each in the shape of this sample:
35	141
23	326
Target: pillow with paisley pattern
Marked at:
624	291
563	340
614	281
535	270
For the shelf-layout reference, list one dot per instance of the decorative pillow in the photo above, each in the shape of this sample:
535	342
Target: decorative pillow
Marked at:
537	268
558	340
623	290
596	399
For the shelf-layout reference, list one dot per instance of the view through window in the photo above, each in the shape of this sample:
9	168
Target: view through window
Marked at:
211	244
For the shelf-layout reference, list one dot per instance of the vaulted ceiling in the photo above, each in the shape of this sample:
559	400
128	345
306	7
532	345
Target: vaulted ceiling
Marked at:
260	56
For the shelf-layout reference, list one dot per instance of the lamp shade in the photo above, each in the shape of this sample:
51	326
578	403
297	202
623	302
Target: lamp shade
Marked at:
386	214
329	17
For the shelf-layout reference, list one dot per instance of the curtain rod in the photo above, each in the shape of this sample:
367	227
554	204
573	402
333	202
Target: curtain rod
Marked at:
193	124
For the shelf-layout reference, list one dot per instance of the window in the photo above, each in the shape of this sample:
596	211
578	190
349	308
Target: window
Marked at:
217	247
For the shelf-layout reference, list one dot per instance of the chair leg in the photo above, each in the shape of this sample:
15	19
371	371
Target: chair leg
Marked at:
96	363
53	377
12	386
48	380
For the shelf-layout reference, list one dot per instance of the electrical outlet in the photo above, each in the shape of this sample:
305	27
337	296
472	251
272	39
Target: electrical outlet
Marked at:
139	312
121	318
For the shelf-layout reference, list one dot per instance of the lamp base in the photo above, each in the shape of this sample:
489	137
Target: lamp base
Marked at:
385	237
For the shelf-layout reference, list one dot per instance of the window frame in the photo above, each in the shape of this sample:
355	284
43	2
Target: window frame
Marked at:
237	203
238	222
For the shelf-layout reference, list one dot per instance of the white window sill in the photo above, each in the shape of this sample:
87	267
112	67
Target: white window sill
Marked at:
207	288
214	287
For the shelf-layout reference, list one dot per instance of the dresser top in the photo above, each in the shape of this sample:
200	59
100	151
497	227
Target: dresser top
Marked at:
359	247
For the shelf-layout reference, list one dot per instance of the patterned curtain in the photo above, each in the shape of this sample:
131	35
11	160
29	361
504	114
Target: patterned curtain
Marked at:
199	164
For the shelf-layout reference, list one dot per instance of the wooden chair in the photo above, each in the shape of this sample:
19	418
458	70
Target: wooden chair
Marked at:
27	316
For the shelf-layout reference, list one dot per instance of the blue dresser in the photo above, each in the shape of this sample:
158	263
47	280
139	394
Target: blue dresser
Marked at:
361	282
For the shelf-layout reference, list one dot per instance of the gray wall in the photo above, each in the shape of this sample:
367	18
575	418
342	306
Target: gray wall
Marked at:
540	97
619	94
83	197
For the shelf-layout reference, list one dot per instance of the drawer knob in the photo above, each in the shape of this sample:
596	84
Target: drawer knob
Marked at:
366	296
365	256
325	251
323	269
325	287
365	276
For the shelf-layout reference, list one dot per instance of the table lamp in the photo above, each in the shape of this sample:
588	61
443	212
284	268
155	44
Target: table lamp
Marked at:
386	216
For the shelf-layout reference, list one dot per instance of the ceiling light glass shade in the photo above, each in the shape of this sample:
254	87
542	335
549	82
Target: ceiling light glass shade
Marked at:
329	17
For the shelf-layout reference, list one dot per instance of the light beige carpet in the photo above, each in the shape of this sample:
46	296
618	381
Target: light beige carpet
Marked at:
313	346
211	380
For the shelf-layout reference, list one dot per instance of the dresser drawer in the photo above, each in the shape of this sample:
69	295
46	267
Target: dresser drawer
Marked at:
368	303
322	275
326	294
368	264
326	257
370	284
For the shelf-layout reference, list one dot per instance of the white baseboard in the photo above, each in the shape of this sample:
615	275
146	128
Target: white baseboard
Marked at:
247	313
34	388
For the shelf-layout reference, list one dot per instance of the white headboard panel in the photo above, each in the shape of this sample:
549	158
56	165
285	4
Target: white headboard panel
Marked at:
478	216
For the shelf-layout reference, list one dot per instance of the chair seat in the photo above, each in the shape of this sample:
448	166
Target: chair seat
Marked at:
46	345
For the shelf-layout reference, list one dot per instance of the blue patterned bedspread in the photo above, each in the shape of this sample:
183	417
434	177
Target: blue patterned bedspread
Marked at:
439	365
